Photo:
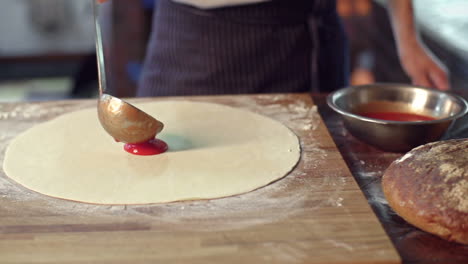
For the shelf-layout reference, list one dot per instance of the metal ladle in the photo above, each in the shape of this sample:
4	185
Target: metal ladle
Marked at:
121	120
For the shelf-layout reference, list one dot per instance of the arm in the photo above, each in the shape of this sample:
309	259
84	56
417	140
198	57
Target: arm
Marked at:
419	63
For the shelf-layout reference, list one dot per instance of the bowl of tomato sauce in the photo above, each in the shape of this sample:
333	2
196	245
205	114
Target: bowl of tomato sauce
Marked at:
396	117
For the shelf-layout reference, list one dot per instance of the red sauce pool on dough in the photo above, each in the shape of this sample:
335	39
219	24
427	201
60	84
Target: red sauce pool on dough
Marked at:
397	116
152	147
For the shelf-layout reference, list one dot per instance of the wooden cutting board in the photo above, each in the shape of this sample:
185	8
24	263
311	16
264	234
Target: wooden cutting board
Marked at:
317	214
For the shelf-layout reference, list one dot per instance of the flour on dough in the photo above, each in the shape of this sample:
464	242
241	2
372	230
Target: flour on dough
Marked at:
215	151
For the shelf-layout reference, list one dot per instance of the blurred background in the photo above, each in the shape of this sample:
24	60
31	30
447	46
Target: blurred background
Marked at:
47	49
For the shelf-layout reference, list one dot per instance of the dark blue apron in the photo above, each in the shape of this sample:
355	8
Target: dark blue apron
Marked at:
273	47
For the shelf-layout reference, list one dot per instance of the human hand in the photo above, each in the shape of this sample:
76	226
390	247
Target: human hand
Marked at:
422	66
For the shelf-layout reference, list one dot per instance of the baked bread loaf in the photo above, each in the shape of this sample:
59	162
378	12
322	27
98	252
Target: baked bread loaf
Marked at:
428	187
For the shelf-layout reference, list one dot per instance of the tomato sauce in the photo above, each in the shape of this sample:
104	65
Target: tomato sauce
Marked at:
151	147
397	116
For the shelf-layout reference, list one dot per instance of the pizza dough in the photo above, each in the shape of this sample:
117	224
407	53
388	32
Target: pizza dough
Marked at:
428	187
215	151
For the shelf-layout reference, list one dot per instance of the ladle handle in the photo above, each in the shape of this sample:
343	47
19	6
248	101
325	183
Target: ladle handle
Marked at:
99	49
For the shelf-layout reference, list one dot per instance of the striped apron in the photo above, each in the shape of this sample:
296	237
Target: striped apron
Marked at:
273	47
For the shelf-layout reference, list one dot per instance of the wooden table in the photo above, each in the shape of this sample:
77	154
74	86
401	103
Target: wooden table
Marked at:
317	214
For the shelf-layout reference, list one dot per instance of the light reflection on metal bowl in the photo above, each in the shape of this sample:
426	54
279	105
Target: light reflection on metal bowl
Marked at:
396	136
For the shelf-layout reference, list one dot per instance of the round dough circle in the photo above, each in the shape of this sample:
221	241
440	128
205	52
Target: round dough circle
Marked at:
215	151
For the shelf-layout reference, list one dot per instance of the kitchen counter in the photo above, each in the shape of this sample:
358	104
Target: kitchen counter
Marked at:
316	214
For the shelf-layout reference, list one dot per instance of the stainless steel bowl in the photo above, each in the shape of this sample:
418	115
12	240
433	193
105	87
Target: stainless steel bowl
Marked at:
396	136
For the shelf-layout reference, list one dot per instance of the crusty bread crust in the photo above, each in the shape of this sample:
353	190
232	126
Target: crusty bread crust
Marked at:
428	187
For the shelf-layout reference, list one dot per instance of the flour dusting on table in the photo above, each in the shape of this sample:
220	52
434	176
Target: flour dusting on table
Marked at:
279	200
